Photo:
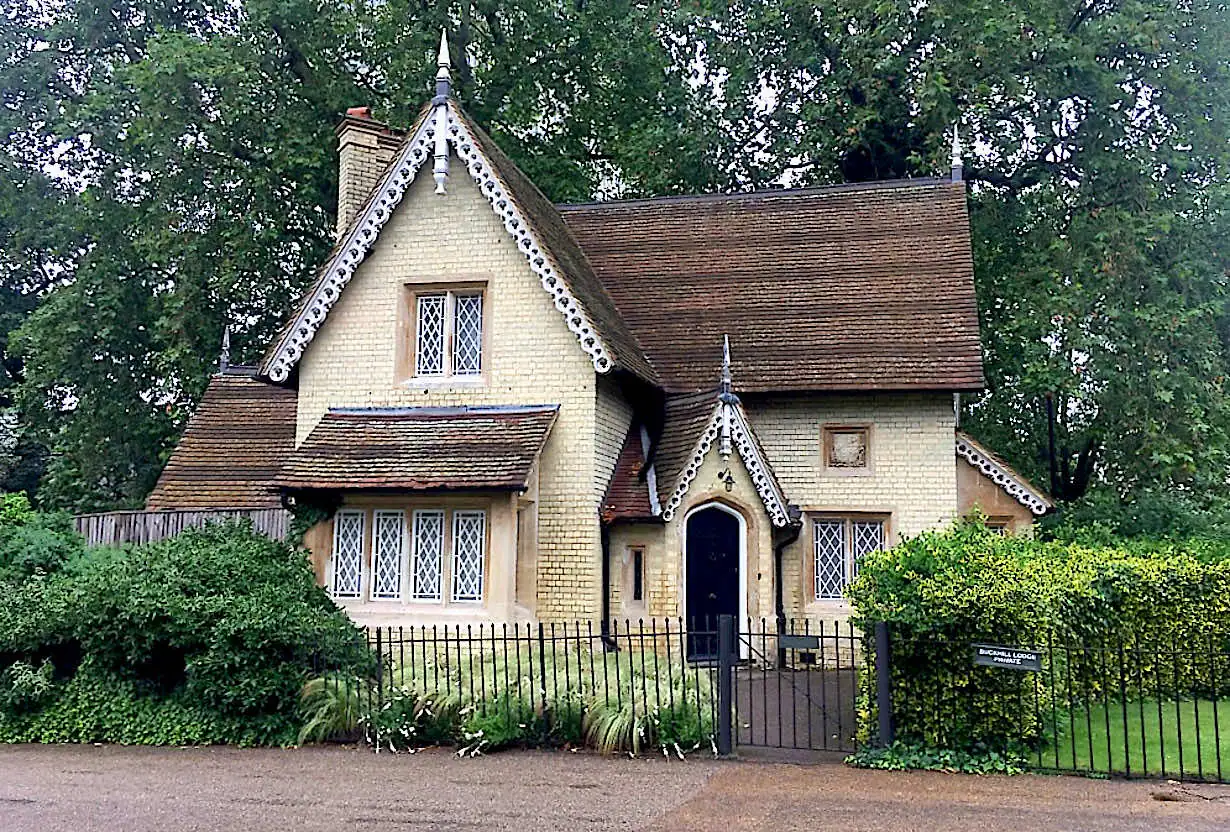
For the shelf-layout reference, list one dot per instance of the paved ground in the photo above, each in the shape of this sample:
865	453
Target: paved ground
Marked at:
50	789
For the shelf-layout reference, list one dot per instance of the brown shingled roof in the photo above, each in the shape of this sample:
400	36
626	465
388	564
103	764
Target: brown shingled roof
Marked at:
685	421
856	287
231	450
421	449
627	495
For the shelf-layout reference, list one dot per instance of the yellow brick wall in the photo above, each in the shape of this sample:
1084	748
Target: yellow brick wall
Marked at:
613	417
913	470
530	355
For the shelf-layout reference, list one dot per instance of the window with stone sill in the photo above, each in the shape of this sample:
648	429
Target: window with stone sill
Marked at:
425	555
448	333
839	545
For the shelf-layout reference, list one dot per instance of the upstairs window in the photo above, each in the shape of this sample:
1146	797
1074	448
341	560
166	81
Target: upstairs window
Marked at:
448	333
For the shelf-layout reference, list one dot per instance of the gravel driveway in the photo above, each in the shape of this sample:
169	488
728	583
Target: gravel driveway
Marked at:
50	789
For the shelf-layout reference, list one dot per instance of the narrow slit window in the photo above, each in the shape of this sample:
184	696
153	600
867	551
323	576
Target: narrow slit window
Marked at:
428	539
638	575
469	550
346	571
388	547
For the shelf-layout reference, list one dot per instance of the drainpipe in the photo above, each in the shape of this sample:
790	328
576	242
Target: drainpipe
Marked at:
782	538
605	627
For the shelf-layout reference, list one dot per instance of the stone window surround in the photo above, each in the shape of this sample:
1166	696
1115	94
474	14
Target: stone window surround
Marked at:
407	602
407	333
828	429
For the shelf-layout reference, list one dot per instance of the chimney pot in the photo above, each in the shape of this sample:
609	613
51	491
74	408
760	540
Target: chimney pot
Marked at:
359	112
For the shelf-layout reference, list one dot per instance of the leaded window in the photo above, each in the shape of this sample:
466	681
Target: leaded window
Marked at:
430	335
467	334
469	547
840	545
428	537
388	546
346	569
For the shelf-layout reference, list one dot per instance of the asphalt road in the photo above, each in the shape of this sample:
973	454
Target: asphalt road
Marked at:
50	789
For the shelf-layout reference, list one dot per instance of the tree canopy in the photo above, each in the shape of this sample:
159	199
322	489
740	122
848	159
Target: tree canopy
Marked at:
169	169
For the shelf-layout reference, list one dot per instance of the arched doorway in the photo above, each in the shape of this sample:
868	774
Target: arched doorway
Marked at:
714	554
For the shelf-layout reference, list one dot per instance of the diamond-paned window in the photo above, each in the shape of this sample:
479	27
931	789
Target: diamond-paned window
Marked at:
428	537
467	334
830	558
388	546
469	546
841	543
346	569
430	334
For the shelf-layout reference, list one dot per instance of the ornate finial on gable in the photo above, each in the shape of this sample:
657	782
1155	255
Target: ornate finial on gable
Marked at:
224	357
728	400
439	170
957	164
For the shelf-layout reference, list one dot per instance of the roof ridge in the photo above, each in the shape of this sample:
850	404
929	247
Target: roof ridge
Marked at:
765	193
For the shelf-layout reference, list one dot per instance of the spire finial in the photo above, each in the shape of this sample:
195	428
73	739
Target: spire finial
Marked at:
224	357
957	164
726	381
443	67
443	85
728	400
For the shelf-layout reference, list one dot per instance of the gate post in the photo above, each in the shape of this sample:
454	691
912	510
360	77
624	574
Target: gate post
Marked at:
726	662
884	685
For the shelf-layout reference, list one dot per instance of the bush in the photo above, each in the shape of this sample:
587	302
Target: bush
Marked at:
207	637
34	543
942	591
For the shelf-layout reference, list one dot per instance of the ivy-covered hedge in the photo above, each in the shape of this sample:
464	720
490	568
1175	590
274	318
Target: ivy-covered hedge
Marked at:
205	638
1121	609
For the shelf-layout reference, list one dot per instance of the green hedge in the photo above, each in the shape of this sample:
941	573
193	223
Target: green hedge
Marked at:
205	638
1120	609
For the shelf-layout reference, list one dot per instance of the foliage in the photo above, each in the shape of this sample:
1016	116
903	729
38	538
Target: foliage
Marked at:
34	542
167	169
331	707
207	637
942	591
902	756
25	688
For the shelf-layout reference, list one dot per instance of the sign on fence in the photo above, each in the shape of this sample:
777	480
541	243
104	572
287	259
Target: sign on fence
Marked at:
1013	658
788	642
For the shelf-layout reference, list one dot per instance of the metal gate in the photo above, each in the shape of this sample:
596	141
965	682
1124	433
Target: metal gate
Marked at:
792	685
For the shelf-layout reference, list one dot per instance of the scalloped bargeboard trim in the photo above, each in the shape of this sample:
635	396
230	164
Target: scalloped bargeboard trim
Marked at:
1009	482
772	498
362	236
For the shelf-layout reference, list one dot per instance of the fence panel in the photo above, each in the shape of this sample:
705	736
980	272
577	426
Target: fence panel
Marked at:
113	528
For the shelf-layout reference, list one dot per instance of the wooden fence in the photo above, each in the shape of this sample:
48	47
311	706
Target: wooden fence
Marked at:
112	528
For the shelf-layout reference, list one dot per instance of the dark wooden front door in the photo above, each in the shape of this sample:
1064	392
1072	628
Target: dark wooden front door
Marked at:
712	576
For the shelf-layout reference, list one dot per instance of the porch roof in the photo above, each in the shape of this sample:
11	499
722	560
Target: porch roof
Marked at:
421	449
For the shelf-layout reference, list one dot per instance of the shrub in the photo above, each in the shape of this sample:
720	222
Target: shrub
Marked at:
207	637
32	542
942	591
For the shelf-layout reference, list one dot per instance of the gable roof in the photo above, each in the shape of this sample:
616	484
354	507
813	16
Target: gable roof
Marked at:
541	236
853	287
232	448
1002	474
421	448
627	495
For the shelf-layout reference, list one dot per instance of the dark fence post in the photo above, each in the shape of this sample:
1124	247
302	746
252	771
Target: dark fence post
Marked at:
542	675
726	662
379	691
884	685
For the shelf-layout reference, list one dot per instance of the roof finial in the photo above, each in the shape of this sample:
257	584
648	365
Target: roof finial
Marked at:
443	85
726	381
728	399
224	357
444	65
957	163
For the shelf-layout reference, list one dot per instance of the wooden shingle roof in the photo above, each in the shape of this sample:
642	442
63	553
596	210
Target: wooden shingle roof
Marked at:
421	449
627	494
232	449
854	287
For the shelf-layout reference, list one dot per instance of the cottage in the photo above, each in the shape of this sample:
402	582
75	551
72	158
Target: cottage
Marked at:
686	406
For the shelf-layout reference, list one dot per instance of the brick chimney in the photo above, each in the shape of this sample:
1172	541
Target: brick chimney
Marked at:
365	147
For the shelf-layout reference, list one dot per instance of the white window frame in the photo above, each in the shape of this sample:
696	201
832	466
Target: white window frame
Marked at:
448	337
850	555
399	517
458	516
438	596
339	518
